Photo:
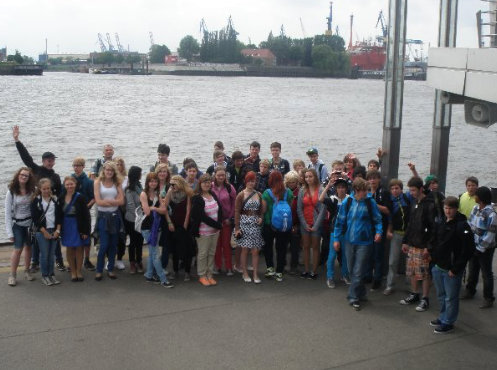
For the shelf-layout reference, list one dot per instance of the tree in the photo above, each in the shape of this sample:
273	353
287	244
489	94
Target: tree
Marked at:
335	42
132	59
119	58
221	46
104	58
157	53
15	58
327	60
188	47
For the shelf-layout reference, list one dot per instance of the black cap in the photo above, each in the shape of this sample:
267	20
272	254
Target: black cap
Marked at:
340	180
48	155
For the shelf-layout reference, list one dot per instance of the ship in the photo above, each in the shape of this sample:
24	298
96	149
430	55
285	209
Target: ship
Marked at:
368	58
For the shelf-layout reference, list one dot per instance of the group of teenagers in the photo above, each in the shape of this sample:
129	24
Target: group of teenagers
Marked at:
344	216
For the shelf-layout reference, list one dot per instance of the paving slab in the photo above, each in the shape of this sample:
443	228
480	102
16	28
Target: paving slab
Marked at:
297	324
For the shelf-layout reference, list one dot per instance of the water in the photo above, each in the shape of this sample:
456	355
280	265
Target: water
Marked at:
76	114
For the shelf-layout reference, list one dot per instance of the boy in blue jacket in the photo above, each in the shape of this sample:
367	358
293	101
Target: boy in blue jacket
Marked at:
359	223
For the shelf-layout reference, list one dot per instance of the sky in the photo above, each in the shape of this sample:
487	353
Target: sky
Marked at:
72	26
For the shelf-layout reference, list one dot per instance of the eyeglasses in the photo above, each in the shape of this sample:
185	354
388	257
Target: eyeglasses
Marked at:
23	175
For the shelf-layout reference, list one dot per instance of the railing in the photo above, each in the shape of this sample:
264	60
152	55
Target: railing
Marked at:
487	25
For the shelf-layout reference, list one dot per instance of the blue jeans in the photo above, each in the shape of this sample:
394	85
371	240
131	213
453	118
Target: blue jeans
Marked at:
153	260
332	256
47	253
357	262
375	262
108	245
447	294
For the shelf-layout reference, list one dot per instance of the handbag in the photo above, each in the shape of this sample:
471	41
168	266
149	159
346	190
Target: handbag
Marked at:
139	217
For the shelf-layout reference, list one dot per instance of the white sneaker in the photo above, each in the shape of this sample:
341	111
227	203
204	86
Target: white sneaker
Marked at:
54	280
28	276
46	280
120	265
106	264
12	281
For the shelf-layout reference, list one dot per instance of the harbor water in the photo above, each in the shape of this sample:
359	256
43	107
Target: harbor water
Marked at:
76	114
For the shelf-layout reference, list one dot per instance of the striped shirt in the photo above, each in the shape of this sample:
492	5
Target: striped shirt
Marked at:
211	208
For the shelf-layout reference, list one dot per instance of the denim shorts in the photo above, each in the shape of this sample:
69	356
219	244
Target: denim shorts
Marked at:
22	236
315	234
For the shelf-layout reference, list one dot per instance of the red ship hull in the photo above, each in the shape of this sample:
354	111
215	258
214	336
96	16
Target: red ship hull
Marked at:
366	57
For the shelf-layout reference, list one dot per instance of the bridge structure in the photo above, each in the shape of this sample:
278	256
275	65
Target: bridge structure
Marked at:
459	76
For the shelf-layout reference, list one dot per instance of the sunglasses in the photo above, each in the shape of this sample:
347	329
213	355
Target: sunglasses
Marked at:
173	185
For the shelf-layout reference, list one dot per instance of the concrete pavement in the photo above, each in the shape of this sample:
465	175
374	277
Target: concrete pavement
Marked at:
297	324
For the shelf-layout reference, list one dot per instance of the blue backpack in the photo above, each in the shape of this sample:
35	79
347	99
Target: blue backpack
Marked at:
281	219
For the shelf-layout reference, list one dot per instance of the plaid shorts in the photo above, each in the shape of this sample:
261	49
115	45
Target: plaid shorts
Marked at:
417	265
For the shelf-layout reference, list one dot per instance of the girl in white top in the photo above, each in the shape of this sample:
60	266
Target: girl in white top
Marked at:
18	220
108	196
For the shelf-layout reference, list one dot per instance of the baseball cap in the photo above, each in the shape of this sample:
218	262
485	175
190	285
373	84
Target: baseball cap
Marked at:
48	155
312	150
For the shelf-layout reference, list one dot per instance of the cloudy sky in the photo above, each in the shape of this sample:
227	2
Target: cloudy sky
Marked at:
71	26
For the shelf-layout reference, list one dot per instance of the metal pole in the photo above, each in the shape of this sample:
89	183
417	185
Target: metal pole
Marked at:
394	88
442	117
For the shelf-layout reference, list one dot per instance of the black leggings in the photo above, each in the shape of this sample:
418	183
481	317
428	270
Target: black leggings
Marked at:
181	248
135	249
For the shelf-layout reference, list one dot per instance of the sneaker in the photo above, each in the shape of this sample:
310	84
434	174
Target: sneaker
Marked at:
376	285
257	281
46	280
60	266
153	279
279	276
212	281
487	304
312	276
132	268
356	305
187	277
229	273
304	275
388	291
330	283
423	305
120	265
444	329
167	284
34	267
54	280
204	281
106	265
139	268
173	276
215	271
435	322
12	281
410	299
346	280
88	265
28	276
269	272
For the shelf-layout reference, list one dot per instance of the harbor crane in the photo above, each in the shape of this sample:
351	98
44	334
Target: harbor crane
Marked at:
203	27
152	43
103	48
109	41
303	29
329	31
119	46
384	29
